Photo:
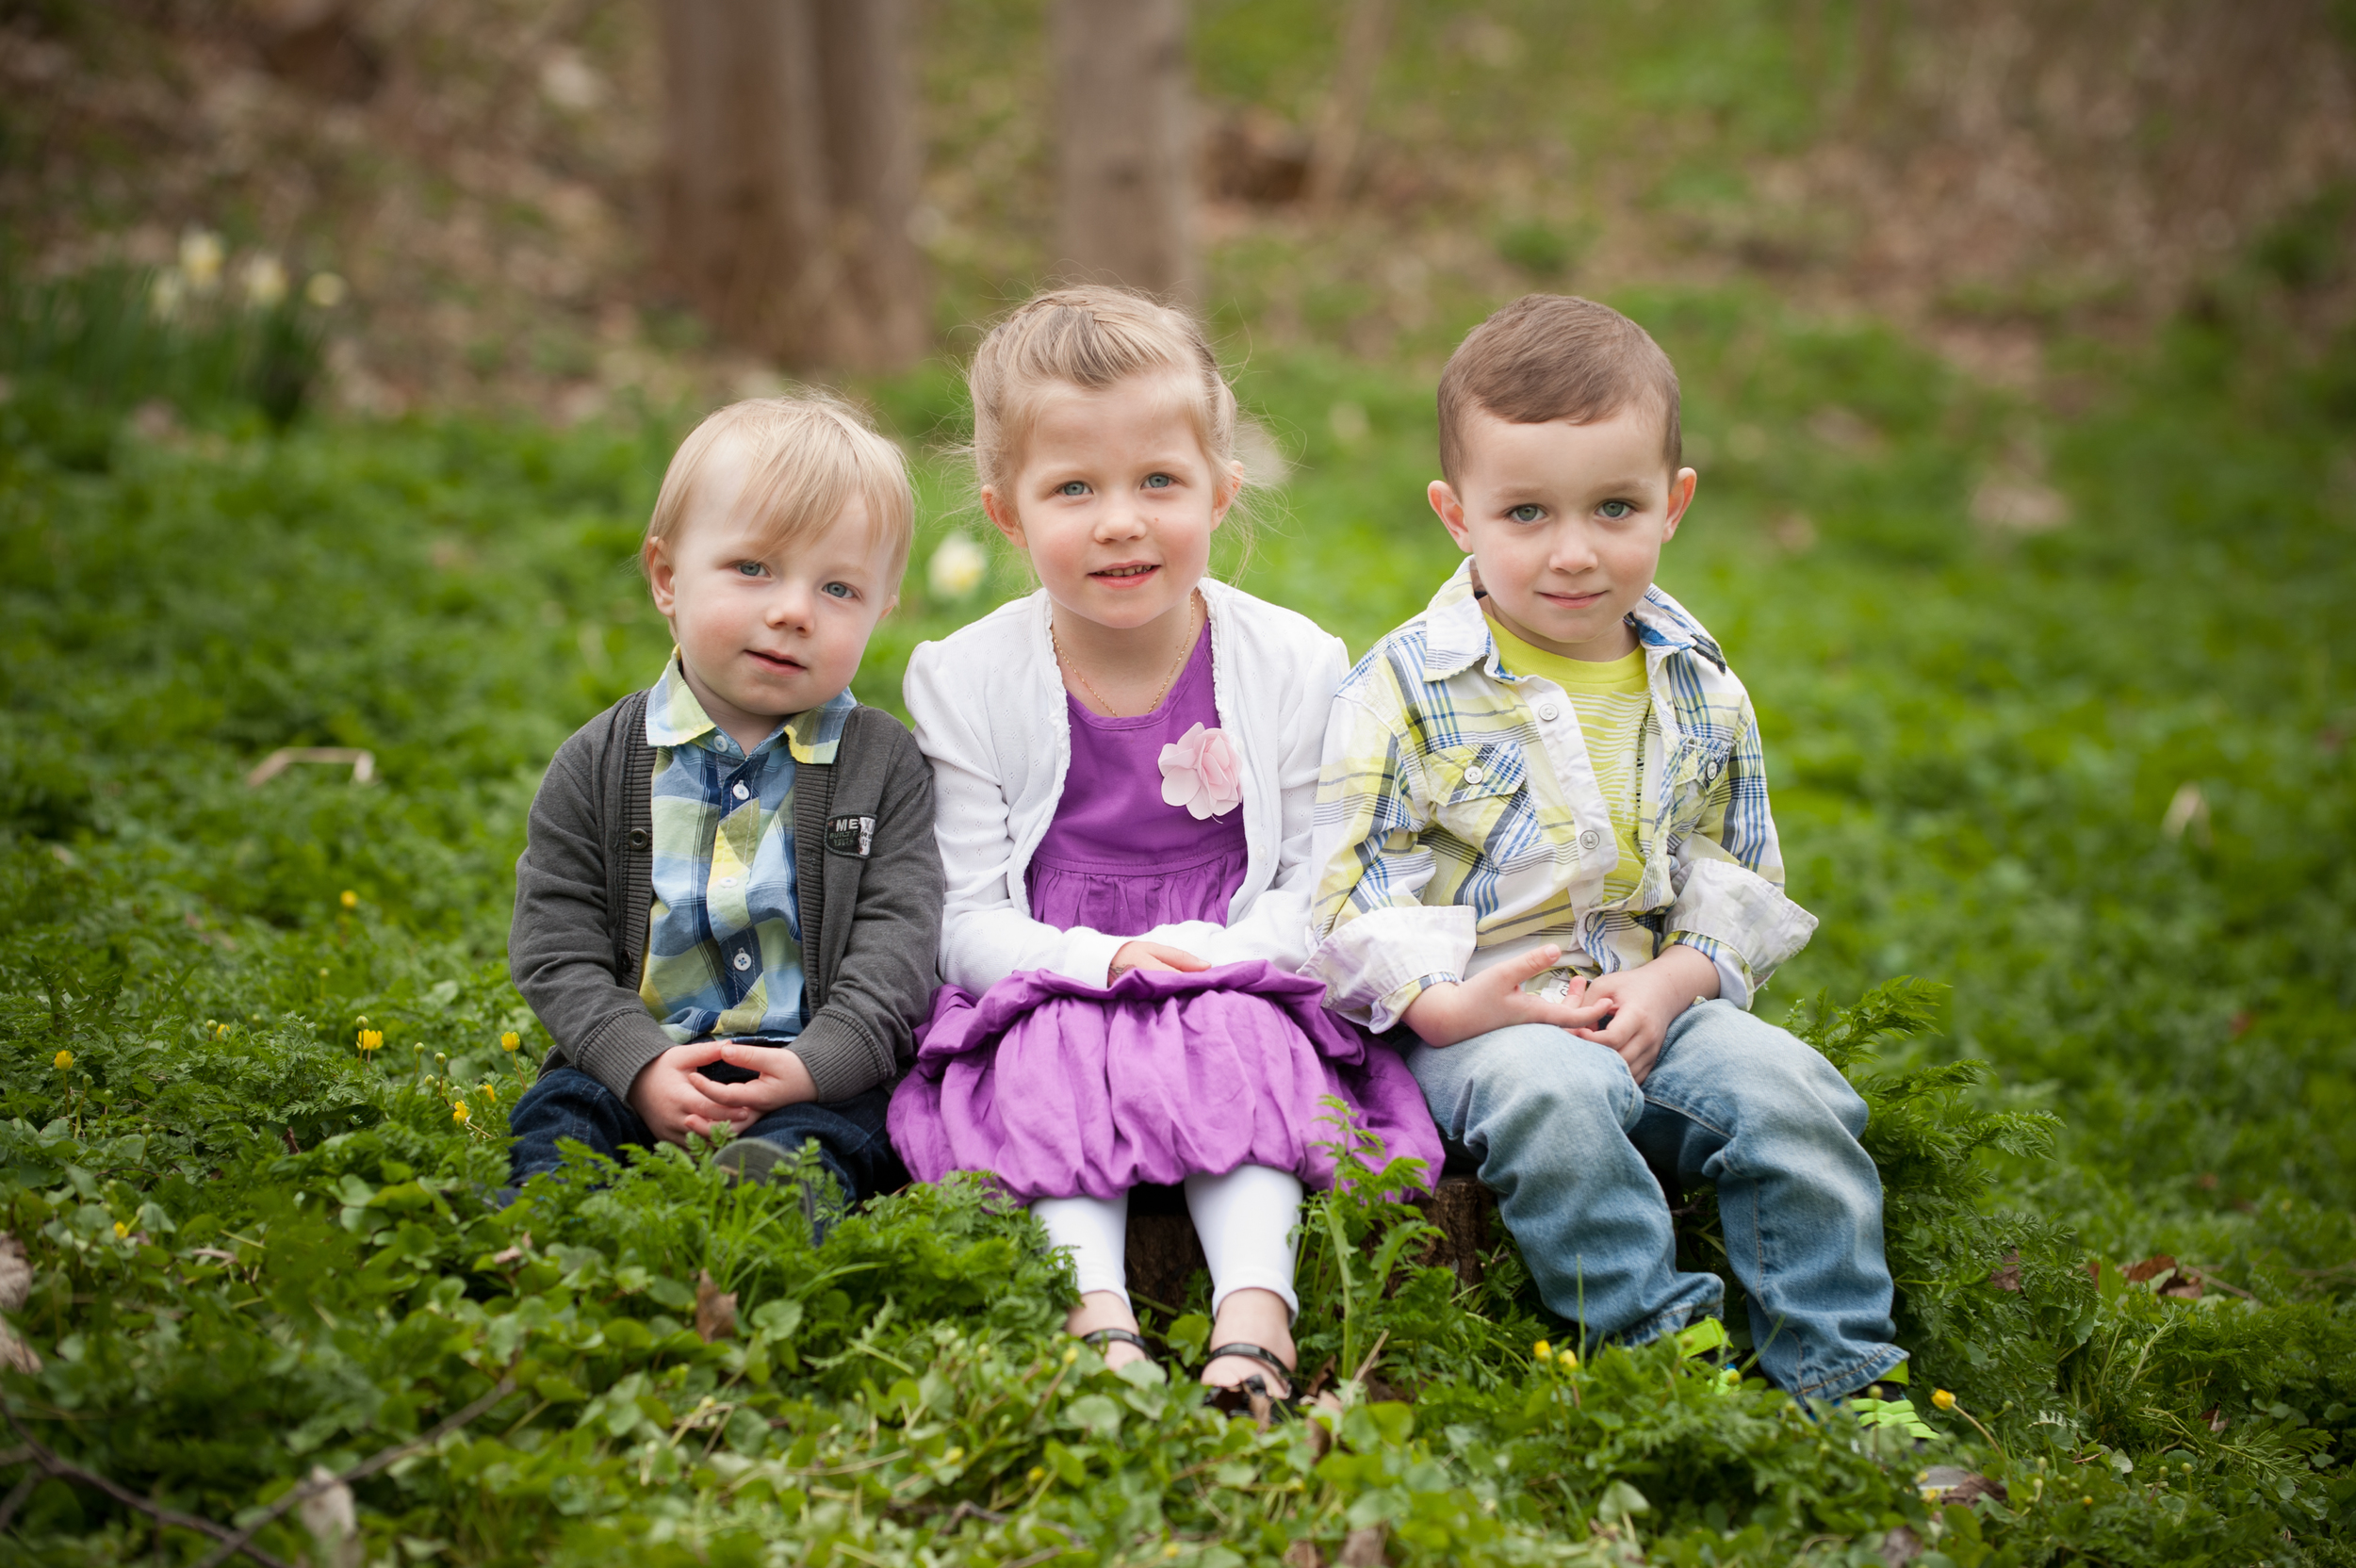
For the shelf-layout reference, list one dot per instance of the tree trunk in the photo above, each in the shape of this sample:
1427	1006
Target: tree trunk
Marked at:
883	320
1126	169
790	172
1343	118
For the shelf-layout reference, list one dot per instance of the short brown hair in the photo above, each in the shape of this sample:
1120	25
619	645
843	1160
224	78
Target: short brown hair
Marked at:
1555	356
809	456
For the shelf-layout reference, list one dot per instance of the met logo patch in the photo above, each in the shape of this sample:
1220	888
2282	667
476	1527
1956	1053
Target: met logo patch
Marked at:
850	836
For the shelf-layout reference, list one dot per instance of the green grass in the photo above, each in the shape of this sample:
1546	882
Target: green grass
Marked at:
1975	735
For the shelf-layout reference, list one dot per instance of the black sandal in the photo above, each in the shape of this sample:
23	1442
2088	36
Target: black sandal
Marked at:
1098	1337
1252	1395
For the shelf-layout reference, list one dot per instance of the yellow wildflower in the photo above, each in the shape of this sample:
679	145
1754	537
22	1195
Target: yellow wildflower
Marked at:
63	1061
201	256
1566	1360
1943	1399
372	1040
458	1113
510	1040
490	1092
263	279
1036	1476
351	899
123	1231
1542	1350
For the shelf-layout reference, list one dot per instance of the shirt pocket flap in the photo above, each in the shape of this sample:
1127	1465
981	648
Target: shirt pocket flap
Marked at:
1468	772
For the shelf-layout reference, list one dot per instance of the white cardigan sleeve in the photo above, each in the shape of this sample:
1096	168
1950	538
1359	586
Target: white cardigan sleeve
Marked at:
986	934
1276	926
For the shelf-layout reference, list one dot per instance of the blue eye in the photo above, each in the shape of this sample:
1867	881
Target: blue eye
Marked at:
1527	512
840	590
1158	481
751	569
1616	510
1073	487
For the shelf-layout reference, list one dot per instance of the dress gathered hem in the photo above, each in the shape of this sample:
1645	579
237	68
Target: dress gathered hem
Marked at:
1156	1077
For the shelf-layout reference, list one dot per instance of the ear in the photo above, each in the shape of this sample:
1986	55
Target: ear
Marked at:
1445	502
1227	492
662	575
1680	497
1003	518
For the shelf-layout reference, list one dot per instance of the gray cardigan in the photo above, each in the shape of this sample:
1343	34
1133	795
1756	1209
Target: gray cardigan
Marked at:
865	862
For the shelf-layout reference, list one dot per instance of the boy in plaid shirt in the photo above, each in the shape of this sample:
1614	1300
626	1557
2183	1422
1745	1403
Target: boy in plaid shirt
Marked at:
1545	850
728	906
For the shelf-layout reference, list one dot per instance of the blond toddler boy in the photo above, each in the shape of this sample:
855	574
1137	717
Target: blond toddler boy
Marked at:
728	907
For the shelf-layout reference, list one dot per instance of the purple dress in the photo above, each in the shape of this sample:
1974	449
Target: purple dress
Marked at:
1060	1088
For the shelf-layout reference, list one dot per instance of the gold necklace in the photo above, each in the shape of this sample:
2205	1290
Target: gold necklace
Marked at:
1183	653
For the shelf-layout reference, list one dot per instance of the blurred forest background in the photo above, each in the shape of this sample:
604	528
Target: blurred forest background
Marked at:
499	183
342	345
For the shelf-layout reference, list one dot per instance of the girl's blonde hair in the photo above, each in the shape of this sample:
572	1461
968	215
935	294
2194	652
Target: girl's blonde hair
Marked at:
807	457
1091	336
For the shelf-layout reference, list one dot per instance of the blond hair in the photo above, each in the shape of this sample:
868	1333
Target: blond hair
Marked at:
1555	356
806	458
1091	338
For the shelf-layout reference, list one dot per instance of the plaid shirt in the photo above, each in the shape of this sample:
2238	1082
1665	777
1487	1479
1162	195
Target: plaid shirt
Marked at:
724	938
1459	822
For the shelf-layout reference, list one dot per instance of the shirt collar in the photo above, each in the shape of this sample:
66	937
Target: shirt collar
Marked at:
675	718
1456	633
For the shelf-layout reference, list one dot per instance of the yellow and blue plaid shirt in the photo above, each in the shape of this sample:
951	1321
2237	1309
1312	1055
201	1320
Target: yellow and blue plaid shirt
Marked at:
1460	821
724	938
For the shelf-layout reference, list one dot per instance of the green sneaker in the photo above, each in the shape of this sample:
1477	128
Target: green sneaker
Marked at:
1883	1402
1706	1340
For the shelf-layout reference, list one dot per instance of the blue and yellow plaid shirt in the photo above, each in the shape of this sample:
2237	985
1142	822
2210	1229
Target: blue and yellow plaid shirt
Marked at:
1459	822
724	939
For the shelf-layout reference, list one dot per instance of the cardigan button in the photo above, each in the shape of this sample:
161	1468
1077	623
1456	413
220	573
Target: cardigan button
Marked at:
640	838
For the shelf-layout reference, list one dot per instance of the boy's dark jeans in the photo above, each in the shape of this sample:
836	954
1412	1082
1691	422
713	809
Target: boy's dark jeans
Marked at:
568	1103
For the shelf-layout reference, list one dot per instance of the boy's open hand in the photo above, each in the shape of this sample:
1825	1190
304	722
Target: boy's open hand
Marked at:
1494	998
1152	956
1643	1003
784	1081
674	1100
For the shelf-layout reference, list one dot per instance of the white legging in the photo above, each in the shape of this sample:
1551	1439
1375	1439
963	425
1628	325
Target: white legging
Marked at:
1245	1219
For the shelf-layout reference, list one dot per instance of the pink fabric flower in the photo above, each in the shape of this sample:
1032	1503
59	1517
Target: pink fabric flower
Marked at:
1201	771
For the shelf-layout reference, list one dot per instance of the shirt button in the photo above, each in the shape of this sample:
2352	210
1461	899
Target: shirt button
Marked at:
744	961
1548	712
742	792
726	881
1590	838
1473	774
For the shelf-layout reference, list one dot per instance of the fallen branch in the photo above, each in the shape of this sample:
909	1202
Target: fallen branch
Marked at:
363	764
51	1464
296	1497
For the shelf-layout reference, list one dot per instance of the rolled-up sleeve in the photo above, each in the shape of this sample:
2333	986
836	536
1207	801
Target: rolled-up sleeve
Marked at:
1730	905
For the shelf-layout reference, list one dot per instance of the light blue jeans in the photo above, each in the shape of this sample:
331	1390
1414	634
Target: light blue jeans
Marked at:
1563	1134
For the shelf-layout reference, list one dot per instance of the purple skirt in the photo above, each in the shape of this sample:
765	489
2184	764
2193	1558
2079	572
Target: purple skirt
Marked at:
1061	1088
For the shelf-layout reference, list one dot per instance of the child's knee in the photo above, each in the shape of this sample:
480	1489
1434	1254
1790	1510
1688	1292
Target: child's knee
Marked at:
1772	1071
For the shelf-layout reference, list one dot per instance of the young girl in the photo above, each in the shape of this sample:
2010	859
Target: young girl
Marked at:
1124	763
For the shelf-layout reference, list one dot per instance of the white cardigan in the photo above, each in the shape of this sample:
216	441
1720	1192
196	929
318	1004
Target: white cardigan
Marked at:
989	705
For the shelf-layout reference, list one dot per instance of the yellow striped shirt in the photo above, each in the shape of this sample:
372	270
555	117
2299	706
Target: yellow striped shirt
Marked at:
1614	702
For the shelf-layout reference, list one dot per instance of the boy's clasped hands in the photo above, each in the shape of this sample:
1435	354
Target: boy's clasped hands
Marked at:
674	1097
1628	1011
